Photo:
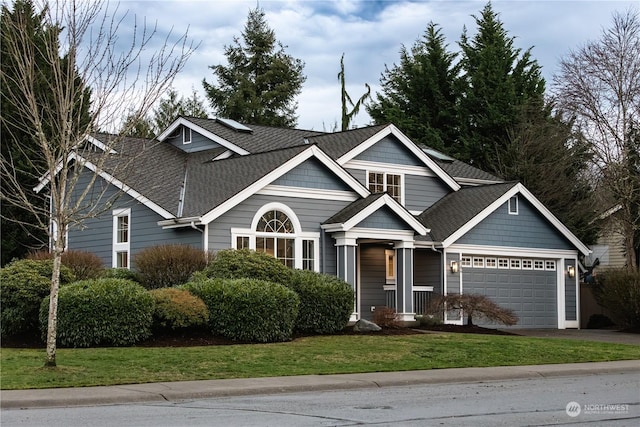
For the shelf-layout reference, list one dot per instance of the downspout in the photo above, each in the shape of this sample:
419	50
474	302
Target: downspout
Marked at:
195	227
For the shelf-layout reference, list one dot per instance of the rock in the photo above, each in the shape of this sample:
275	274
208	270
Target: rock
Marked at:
363	325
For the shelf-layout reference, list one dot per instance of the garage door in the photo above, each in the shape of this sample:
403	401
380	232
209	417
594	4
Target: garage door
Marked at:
515	284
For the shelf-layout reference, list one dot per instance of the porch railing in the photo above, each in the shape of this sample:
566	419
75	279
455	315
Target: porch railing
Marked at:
421	297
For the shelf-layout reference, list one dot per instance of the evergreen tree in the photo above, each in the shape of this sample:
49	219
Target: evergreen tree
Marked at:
498	82
20	232
345	99
261	82
419	95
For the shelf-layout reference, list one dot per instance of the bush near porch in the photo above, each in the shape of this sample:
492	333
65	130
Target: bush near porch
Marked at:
619	292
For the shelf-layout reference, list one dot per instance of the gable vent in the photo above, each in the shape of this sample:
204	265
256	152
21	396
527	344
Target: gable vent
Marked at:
232	124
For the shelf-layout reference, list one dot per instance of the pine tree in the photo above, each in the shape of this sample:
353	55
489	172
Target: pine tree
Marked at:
261	82
419	95
498	82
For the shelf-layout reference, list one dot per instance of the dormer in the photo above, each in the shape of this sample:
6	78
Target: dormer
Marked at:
190	137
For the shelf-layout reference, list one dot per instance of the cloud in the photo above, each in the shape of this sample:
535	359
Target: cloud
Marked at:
369	33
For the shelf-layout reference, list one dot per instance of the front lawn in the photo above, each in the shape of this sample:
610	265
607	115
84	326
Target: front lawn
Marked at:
23	368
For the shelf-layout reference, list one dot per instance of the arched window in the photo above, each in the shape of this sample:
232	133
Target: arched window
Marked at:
275	230
272	224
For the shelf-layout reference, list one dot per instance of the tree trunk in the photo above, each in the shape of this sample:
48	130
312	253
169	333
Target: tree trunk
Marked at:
469	321
52	324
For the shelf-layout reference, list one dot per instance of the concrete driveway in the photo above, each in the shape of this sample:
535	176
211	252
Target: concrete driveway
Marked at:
604	335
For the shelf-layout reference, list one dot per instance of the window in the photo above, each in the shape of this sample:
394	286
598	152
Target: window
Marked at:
186	135
550	265
515	264
121	237
503	263
275	230
538	264
465	261
491	263
513	205
242	242
527	264
478	262
385	182
390	265
308	254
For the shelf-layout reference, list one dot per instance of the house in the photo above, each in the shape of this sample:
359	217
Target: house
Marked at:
399	223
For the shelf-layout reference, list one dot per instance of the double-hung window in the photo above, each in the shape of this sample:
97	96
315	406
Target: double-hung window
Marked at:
121	238
380	182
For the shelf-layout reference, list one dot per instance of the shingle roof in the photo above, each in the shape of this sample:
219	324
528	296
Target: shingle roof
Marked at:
456	209
460	170
353	209
263	138
338	144
211	183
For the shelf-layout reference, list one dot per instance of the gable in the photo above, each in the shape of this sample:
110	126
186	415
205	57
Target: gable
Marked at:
389	150
312	174
198	141
526	229
384	218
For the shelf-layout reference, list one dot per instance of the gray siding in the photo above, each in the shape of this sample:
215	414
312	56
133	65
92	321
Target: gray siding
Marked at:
421	192
198	142
360	175
372	278
527	229
384	218
310	212
312	174
390	150
570	293
428	269
96	234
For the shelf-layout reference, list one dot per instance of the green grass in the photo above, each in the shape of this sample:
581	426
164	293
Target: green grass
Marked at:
23	368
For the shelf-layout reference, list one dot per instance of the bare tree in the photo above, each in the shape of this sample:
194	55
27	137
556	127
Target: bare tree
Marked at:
95	62
475	306
599	86
347	116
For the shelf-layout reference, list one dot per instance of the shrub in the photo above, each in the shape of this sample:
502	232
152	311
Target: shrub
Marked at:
245	263
248	310
121	273
475	306
23	285
598	321
84	265
619	292
168	265
112	312
177	309
326	302
386	317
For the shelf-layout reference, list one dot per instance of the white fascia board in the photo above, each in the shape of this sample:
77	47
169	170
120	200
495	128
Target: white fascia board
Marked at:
212	136
373	207
101	145
308	193
518	189
126	189
392	130
312	151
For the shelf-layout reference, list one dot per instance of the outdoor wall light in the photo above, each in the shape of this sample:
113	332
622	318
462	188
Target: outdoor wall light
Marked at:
454	266
571	271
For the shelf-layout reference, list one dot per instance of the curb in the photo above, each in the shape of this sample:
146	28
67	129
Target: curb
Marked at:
173	391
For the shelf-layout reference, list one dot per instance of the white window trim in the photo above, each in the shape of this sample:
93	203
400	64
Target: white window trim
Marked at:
384	181
465	261
489	261
504	267
298	235
528	261
478	262
390	275
515	264
121	247
517	203
186	131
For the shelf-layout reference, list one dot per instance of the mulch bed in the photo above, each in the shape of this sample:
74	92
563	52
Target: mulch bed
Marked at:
204	338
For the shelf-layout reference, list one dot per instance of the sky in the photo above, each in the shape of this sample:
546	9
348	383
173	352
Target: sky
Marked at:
370	33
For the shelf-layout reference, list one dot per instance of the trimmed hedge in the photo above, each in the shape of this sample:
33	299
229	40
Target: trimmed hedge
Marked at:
177	309
121	273
23	285
326	302
245	263
110	312
165	266
248	310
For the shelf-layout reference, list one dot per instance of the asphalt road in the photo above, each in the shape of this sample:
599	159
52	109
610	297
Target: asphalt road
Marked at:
606	399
